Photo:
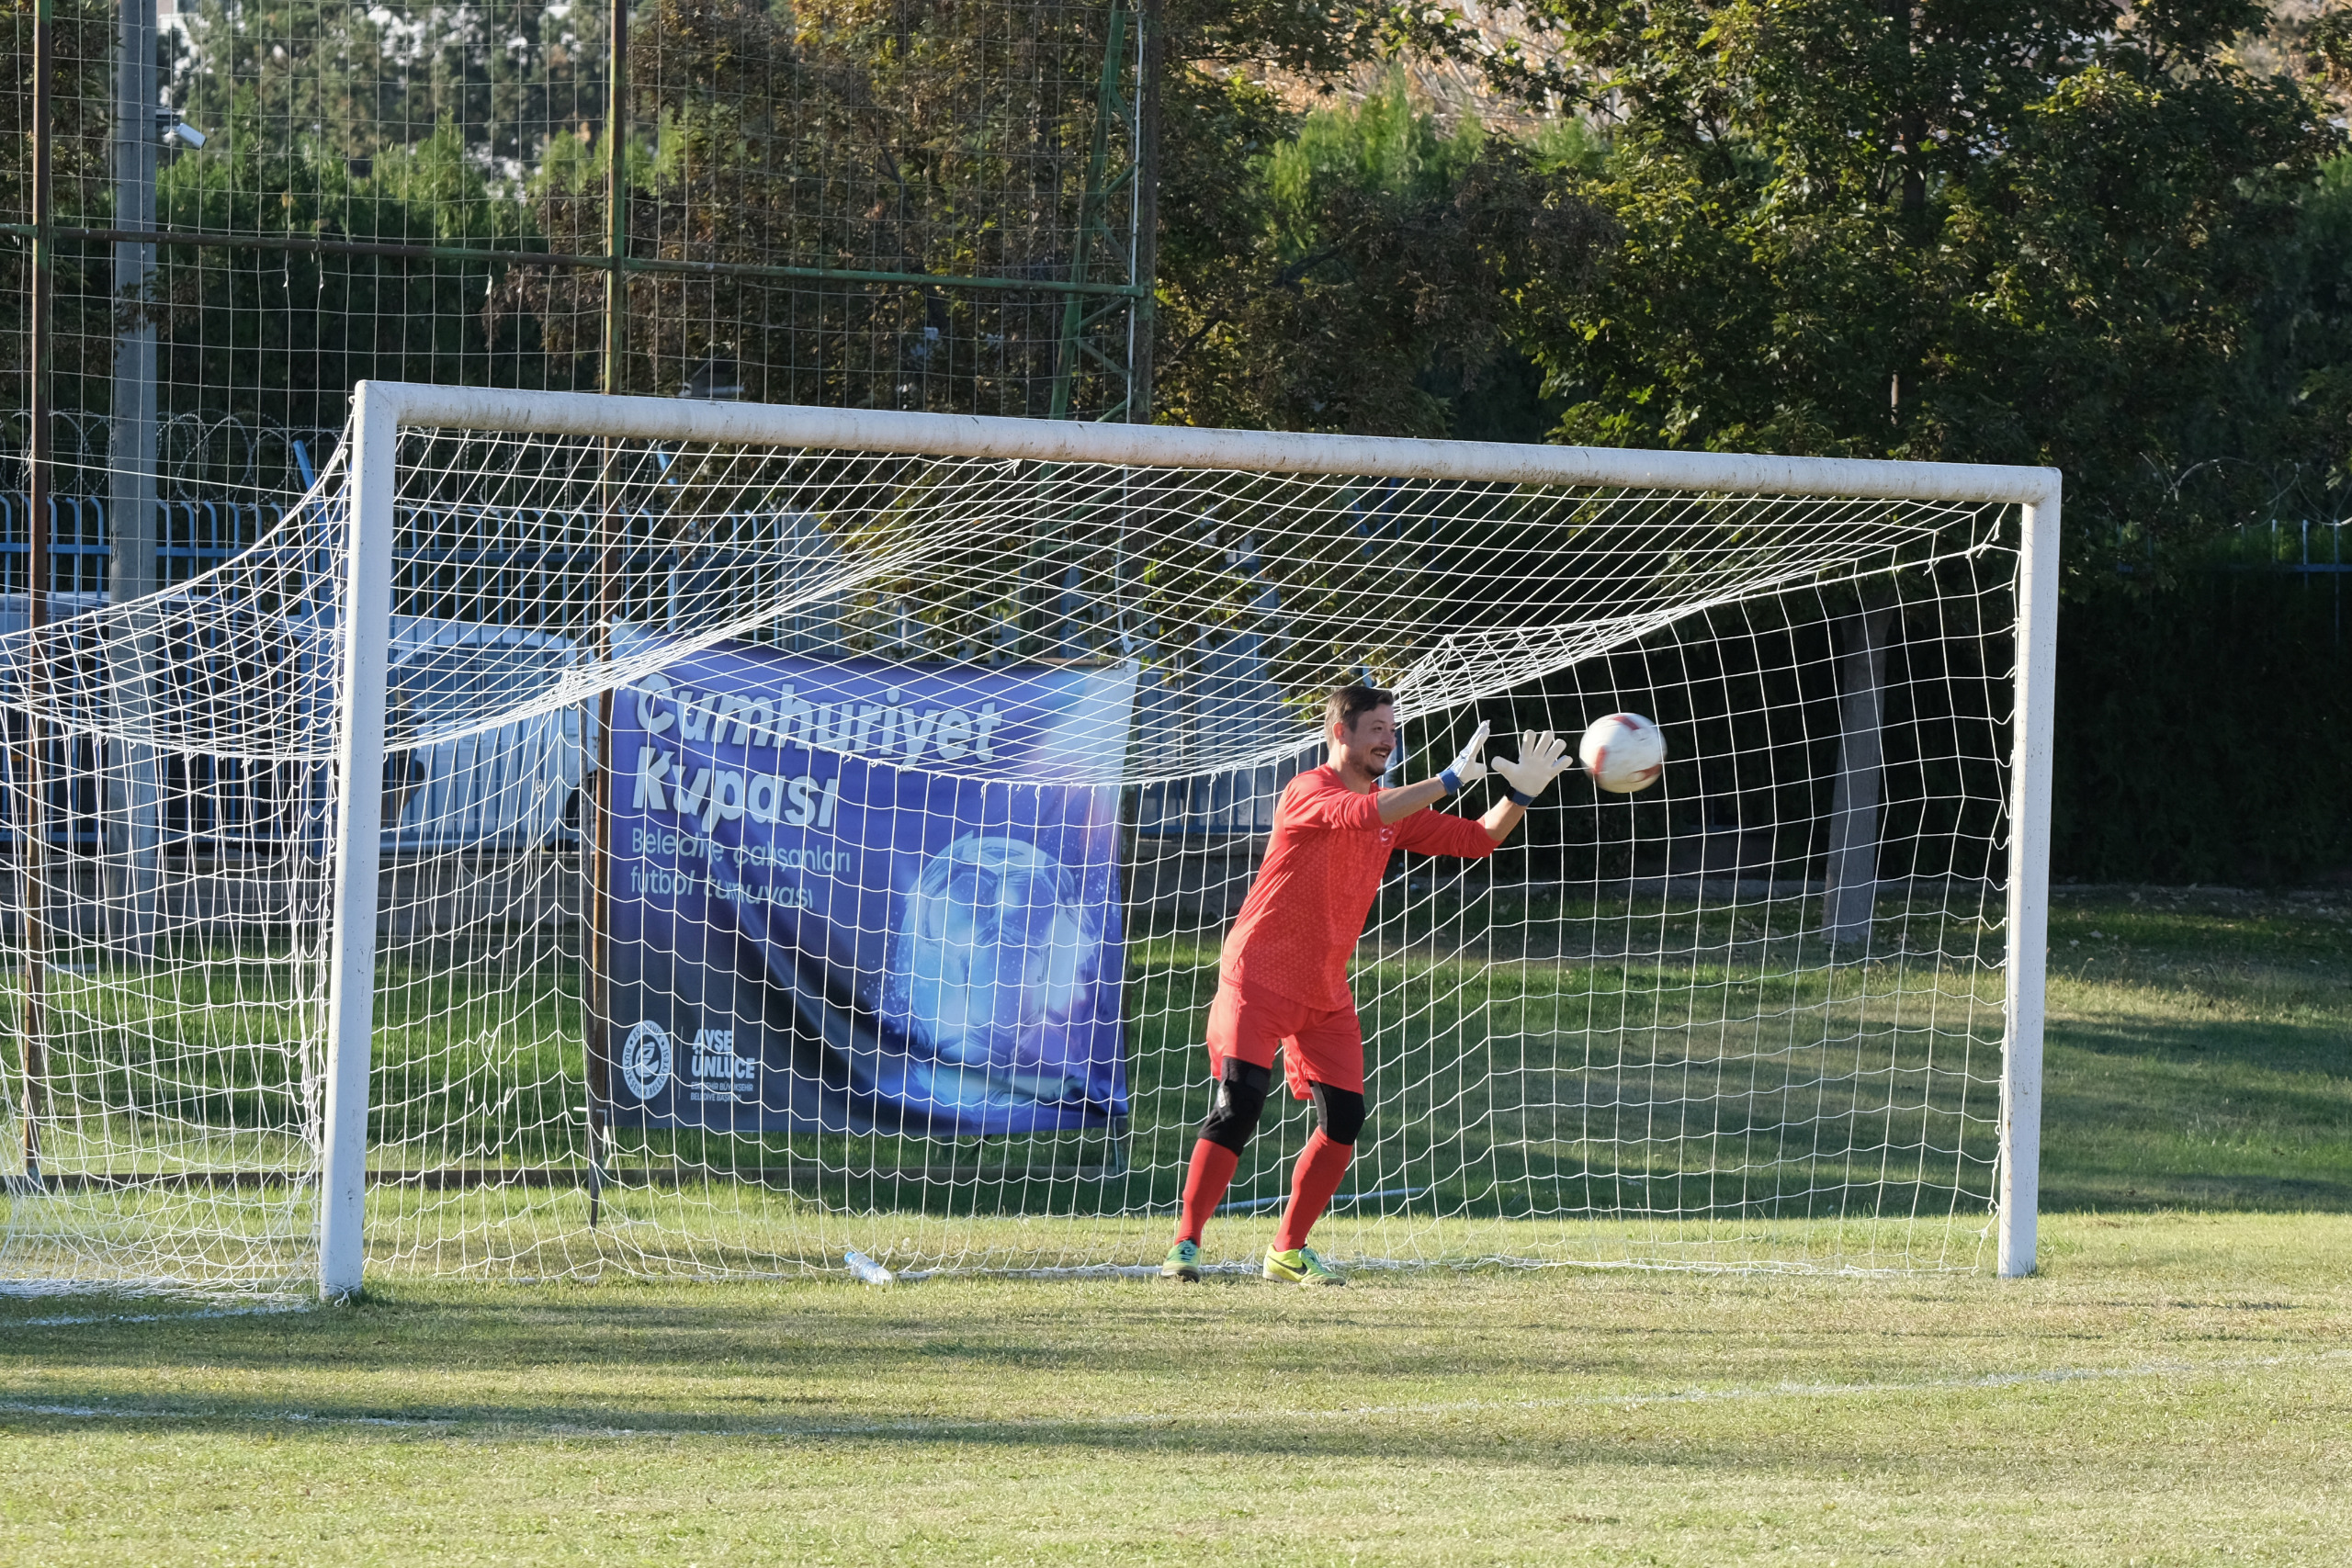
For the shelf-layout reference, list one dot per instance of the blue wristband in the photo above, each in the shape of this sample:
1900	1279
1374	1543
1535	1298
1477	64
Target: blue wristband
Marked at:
1453	785
1519	799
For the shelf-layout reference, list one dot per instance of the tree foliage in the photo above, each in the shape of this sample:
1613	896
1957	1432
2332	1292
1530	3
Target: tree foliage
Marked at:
82	32
849	135
289	331
509	76
1973	229
1347	267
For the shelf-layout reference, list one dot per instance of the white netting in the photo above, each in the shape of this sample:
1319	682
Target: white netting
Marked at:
929	786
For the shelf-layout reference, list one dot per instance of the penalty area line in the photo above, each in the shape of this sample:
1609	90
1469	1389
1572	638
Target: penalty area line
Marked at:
914	1427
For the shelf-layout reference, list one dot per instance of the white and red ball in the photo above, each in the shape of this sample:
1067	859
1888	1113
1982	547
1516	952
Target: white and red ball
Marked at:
1623	753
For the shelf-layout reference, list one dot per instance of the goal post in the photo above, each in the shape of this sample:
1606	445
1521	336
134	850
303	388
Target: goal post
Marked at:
2029	945
929	757
366	638
383	409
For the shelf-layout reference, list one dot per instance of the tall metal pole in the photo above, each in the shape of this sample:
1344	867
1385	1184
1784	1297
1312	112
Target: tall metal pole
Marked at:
1143	320
1093	203
134	833
596	826
616	206
32	818
2032	745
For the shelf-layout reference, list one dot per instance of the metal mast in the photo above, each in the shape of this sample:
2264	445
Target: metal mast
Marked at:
1100	331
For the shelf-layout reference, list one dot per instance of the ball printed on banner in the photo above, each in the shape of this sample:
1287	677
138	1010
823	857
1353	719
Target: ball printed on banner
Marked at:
996	947
1623	753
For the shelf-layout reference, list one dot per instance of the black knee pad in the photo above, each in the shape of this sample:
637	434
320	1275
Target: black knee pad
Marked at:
1240	1100
1340	1112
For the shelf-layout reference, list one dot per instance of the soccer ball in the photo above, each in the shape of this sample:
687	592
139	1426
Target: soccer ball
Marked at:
1622	752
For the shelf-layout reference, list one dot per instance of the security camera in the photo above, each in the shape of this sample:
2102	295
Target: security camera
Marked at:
172	128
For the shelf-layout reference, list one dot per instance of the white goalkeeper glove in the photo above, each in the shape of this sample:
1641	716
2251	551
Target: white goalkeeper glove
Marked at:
1541	758
1467	766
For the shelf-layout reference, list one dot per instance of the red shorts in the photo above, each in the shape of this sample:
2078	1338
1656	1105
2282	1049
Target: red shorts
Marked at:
1320	1045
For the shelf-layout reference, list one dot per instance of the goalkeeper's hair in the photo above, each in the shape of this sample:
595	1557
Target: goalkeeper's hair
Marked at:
1347	704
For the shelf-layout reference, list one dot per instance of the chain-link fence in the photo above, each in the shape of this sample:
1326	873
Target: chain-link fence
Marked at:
221	215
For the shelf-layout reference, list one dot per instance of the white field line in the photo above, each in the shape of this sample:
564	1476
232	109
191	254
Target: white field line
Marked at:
914	1427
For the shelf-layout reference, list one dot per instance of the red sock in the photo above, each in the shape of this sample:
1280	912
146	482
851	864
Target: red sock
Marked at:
1205	1184
1320	1166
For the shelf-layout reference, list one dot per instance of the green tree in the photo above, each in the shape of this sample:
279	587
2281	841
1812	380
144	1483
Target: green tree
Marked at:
509	74
283	335
2319	332
847	135
81	192
1353	269
1977	230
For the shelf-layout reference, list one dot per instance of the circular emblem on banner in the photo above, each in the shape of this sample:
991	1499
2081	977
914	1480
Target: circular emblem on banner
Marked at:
645	1060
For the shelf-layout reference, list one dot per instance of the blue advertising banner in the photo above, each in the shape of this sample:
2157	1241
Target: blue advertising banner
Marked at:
853	896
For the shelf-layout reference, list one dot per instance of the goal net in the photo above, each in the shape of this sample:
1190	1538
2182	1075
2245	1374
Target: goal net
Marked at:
613	834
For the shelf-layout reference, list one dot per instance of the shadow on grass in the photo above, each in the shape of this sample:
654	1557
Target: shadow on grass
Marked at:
2141	1112
803	1337
1381	1387
894	1372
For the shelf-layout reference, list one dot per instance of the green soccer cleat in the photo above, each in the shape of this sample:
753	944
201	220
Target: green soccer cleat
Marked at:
1183	1263
1300	1266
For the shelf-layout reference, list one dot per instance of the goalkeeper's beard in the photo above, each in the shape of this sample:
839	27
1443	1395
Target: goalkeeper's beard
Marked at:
1363	766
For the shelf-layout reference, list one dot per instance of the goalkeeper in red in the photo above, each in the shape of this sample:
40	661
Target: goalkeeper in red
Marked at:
1284	971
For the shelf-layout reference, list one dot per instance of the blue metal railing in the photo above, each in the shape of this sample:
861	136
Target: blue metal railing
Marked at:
192	537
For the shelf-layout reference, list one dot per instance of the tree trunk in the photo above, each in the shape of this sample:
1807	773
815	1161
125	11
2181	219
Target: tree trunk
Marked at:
1853	812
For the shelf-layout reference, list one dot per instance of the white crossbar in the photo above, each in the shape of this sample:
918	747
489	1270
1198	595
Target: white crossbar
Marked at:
1180	446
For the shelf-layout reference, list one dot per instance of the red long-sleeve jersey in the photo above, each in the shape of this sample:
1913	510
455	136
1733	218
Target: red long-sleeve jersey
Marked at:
1322	870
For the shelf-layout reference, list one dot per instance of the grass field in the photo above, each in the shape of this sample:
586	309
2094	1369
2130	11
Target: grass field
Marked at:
2175	1387
1668	1081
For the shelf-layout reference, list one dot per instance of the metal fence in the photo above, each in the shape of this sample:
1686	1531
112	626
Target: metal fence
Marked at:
217	220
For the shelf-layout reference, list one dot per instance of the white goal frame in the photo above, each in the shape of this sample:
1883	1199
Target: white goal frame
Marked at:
383	409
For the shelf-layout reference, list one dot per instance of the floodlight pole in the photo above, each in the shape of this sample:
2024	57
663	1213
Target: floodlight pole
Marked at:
595	794
32	822
1093	227
1144	221
134	837
2028	913
616	344
359	753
